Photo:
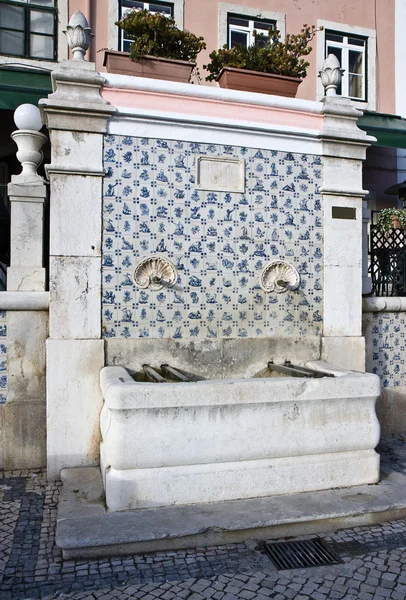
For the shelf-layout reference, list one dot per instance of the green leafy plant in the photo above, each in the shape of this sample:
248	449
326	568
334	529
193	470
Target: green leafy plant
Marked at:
271	55
157	35
387	216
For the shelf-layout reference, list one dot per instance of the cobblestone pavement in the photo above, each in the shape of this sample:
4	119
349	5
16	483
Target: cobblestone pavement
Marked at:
31	566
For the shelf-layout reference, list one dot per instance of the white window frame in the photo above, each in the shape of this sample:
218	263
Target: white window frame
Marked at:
113	33
345	48
241	28
122	37
253	14
62	46
369	64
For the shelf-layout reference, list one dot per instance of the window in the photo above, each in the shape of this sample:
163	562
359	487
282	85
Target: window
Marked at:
351	53
241	31
154	7
28	28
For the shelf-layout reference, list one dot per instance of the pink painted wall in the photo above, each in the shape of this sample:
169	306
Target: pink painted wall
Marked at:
202	19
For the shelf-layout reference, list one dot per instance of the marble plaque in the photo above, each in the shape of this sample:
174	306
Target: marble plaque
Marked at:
220	174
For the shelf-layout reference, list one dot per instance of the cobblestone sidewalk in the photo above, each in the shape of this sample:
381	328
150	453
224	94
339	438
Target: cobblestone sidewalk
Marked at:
31	566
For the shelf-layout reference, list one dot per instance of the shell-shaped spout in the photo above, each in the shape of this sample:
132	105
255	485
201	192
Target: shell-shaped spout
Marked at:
154	273
279	276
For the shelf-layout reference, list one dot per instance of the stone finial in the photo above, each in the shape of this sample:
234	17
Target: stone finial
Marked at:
29	140
331	74
79	35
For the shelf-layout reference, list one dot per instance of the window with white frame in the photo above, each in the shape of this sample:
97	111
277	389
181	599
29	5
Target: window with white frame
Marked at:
165	8
241	31
28	28
351	52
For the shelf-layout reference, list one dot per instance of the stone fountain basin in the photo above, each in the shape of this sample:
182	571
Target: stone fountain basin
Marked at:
185	443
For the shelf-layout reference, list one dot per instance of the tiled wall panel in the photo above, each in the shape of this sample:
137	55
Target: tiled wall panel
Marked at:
218	241
3	357
386	346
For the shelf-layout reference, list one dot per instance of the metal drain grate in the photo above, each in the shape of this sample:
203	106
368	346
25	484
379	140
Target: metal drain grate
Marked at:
301	554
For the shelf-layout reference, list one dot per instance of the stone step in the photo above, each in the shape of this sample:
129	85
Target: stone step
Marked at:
85	529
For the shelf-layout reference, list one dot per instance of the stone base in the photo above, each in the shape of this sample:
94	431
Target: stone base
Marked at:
74	401
85	530
23	435
23	417
192	484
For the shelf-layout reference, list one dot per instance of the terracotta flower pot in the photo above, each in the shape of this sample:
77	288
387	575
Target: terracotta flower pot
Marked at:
254	81
148	66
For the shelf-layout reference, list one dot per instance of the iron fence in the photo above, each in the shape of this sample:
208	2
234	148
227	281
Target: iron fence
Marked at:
388	261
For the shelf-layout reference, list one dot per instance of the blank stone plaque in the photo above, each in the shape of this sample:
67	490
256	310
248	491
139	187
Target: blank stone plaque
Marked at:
220	174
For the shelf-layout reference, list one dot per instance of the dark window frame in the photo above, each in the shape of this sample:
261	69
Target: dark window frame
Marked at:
27	8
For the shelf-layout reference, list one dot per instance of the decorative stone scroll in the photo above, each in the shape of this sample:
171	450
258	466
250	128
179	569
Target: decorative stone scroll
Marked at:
279	276
154	273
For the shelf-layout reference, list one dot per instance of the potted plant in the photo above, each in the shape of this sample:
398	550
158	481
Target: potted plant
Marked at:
269	67
391	218
159	48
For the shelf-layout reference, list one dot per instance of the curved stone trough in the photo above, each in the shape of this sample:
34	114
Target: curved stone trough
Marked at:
209	441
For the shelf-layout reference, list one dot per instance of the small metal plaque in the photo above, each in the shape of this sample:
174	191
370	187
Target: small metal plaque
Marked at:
343	212
220	174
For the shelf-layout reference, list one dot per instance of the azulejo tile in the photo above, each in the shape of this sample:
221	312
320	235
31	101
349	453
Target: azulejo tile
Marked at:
218	241
386	348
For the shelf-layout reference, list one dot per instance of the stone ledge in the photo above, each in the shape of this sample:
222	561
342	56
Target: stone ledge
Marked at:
24	301
384	304
151	530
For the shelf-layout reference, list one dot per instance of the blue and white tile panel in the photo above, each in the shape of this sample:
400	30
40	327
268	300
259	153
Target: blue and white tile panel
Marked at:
219	242
386	347
3	357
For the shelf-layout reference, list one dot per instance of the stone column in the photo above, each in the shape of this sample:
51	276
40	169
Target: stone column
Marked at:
23	415
344	149
76	117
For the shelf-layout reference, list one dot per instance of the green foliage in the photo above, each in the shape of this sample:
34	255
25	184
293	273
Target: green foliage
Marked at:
157	35
388	215
270	56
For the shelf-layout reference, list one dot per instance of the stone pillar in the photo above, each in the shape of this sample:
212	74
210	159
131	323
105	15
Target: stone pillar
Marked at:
27	195
23	415
344	149
76	117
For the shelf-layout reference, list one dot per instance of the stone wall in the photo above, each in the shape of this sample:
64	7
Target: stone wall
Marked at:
384	321
385	343
219	242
